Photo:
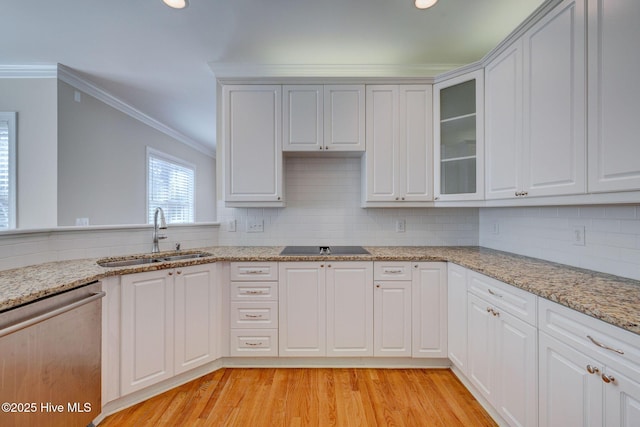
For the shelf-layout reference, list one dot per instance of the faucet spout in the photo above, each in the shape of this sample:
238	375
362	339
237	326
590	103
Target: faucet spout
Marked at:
159	223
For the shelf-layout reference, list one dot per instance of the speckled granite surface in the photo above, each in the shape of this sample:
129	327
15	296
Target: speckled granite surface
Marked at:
613	299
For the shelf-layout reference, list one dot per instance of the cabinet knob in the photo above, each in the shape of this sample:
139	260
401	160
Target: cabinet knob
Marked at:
170	273
329	265
436	198
378	285
279	198
592	369
179	272
403	198
607	378
321	147
397	198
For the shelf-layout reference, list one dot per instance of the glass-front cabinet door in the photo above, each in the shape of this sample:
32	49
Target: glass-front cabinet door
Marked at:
458	131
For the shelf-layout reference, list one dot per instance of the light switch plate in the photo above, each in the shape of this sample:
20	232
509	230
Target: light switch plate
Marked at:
578	235
401	226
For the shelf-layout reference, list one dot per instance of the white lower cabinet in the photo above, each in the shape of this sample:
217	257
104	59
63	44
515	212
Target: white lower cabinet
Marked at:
168	321
349	308
253	309
429	309
589	371
502	349
392	318
326	309
457	316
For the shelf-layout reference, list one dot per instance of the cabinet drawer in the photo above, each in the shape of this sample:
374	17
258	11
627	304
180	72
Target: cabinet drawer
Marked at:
262	314
254	342
574	328
517	302
392	270
255	291
252	271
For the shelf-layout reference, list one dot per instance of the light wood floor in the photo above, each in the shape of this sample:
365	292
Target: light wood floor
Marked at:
311	397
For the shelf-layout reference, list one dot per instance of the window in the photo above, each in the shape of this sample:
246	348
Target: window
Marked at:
170	186
7	171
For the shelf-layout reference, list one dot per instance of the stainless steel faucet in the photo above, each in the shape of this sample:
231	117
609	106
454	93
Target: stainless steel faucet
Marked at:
162	226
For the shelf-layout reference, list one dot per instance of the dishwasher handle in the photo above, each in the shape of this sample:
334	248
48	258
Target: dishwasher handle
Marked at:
53	313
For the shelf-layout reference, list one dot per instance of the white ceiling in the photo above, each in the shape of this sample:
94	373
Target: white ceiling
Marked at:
157	59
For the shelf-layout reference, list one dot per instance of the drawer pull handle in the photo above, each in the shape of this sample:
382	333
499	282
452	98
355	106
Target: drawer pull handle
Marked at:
607	378
492	311
592	369
392	271
254	271
253	316
254	344
494	294
606	347
254	292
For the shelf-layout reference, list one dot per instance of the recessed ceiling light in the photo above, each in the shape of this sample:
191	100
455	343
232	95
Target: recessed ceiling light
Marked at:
176	4
425	4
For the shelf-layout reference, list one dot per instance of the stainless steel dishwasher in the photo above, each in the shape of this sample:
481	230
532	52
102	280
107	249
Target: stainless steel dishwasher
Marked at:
50	360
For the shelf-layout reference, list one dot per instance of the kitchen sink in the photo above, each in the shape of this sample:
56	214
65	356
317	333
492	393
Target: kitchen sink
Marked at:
150	260
185	256
324	250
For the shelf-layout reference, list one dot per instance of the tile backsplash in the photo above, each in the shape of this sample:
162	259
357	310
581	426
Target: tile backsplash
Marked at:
323	207
611	235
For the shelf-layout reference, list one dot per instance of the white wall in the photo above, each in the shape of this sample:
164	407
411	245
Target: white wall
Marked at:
323	207
34	99
102	163
20	248
612	237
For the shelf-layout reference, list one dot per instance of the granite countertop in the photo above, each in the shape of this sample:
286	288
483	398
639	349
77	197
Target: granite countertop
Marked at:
613	299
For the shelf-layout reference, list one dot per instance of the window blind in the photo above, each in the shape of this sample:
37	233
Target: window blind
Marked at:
171	186
7	145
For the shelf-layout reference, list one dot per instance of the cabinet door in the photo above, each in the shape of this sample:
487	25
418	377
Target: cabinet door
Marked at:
392	318
302	309
344	109
613	95
416	142
251	129
457	316
516	370
195	317
429	310
302	118
382	158
350	309
481	346
459	137
503	123
569	395
554	143
147	329
621	400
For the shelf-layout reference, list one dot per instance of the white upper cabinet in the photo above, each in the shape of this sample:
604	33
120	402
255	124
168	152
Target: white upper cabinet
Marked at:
535	109
398	159
251	131
344	117
459	137
303	112
323	118
554	135
503	125
614	110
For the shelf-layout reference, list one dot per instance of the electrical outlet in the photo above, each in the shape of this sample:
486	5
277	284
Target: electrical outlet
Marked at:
578	235
495	228
255	225
401	226
231	225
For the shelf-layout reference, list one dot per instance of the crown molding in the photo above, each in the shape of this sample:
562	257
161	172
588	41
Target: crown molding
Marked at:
327	71
69	76
28	71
